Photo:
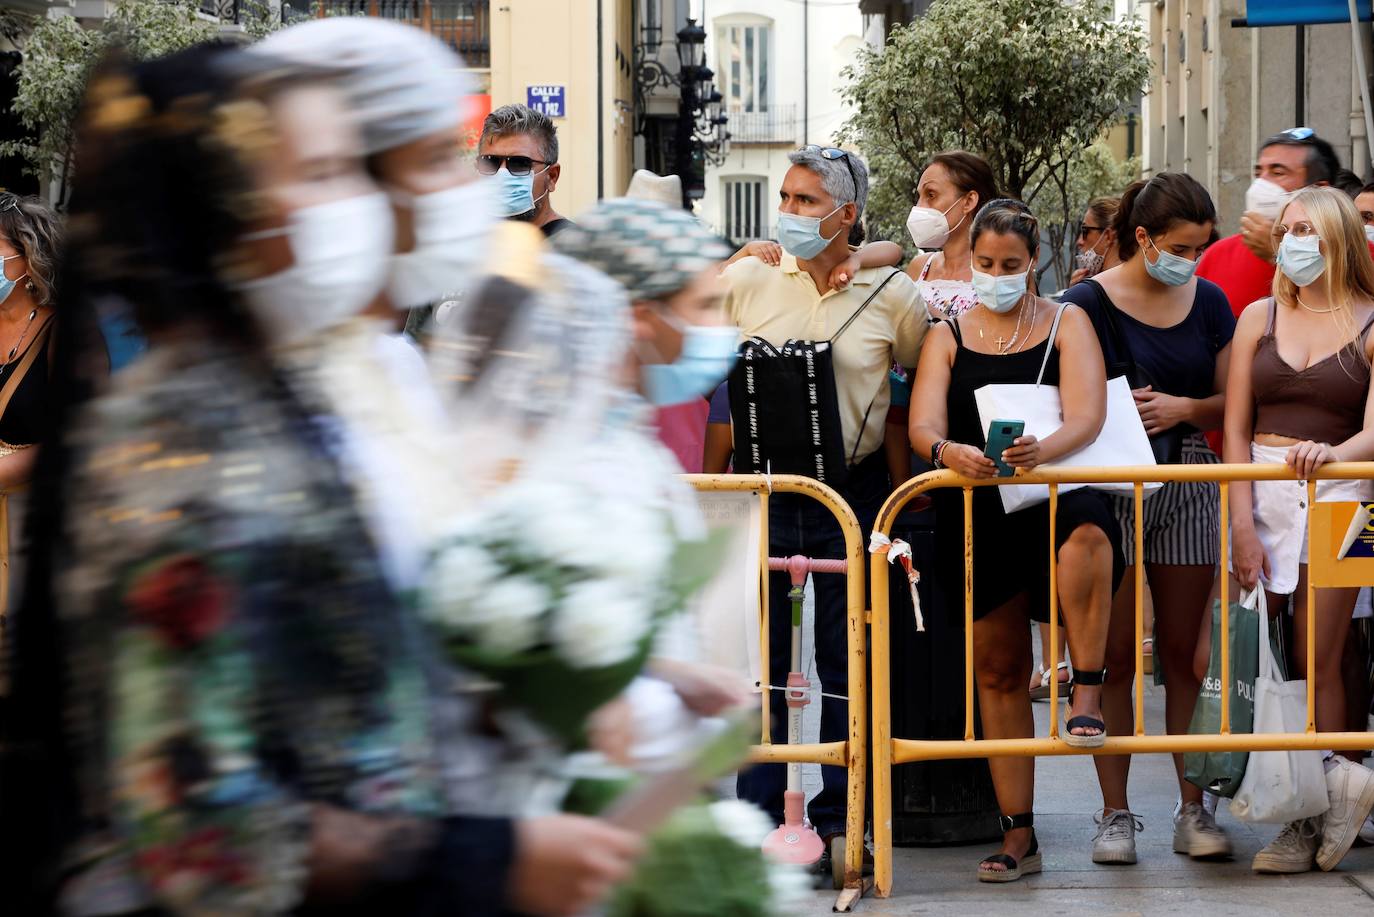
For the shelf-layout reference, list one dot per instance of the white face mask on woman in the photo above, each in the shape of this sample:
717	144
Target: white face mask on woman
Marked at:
342	253
451	229
929	227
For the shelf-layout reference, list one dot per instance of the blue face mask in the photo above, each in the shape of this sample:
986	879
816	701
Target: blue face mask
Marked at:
516	192
1169	268
1301	260
708	354
999	293
6	285
801	236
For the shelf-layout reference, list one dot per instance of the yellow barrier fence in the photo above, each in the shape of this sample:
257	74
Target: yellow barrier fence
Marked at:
851	754
1324	571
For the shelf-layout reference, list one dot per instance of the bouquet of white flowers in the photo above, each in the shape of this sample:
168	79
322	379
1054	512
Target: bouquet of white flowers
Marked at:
707	860
556	597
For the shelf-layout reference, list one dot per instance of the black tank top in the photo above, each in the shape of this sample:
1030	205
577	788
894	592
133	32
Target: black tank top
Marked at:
22	422
973	370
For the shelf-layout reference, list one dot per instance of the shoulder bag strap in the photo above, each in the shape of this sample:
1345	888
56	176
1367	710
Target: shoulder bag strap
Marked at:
1049	342
853	454
871	296
25	362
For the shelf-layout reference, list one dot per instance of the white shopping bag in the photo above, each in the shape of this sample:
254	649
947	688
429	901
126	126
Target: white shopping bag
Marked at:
1121	442
1279	786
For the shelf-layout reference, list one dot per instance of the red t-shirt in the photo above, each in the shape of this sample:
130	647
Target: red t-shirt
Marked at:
1241	276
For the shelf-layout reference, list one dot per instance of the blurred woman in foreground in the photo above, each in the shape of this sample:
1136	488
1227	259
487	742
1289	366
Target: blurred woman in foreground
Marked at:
220	703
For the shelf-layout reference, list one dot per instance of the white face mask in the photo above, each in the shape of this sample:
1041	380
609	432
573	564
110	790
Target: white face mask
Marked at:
451	229
1369	233
929	227
341	263
1266	198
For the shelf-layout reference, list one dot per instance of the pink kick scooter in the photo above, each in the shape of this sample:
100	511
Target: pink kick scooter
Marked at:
795	841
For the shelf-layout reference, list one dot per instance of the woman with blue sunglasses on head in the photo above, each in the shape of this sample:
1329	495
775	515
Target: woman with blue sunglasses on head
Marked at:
1169	333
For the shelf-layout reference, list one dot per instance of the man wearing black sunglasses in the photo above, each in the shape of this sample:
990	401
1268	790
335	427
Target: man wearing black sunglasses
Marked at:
1243	264
519	150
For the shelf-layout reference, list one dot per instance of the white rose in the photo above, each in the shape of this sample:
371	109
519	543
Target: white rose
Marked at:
460	576
573	538
791	886
742	822
509	614
599	624
642	545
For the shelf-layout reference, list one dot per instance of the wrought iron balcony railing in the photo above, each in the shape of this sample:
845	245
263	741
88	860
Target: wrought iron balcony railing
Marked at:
464	24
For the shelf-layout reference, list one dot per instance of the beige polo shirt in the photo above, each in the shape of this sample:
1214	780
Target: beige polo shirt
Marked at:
782	303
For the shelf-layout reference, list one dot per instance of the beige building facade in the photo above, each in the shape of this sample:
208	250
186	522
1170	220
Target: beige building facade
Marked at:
584	48
1218	90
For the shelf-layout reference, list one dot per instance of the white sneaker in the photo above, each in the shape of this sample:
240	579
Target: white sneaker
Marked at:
1350	787
1196	833
1367	832
1293	851
1115	840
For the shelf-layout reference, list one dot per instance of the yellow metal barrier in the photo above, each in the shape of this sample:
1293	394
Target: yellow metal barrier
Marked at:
851	754
1323	571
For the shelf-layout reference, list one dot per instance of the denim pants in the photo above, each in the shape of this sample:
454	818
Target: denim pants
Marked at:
800	525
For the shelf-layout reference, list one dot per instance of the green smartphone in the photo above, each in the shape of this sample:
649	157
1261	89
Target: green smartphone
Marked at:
1001	435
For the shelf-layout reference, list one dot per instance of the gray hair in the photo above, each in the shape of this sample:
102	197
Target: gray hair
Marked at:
521	119
843	185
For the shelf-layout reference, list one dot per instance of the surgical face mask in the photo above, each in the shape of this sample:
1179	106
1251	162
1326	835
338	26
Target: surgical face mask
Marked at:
1369	233
801	236
451	228
6	285
929	227
516	192
708	354
999	293
1301	260
1169	268
341	264
1266	198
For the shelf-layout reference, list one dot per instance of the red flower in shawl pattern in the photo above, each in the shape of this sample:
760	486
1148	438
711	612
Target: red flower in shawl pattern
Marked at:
181	599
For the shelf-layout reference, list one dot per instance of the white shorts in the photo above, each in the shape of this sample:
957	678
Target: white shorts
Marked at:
1281	516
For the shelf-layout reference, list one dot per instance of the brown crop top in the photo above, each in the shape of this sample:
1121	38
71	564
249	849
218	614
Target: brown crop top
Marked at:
1323	403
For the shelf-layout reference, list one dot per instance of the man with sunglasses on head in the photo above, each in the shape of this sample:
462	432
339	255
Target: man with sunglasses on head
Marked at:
519	149
1243	264
821	199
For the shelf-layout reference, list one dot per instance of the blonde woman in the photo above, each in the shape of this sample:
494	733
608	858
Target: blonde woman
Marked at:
1298	392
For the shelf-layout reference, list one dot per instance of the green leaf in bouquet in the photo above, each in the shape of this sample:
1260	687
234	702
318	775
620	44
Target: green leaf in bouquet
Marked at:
556	695
691	869
693	564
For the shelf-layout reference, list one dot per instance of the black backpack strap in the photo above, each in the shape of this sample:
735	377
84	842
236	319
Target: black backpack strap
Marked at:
871	296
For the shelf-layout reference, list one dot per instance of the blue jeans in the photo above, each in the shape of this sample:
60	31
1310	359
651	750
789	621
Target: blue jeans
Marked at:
800	525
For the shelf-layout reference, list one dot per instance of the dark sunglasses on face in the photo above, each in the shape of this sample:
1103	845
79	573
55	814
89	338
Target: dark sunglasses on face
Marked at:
515	165
1084	230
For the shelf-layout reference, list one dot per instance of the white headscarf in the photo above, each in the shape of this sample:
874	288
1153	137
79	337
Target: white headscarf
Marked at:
403	83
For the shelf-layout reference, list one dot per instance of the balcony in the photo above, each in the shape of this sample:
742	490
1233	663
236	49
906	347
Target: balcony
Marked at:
224	10
464	25
779	124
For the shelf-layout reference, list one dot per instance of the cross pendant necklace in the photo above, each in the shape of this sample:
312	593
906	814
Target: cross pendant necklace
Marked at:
1000	342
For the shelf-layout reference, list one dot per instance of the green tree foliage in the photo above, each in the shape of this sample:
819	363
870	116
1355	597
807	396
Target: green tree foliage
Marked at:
59	55
1028	84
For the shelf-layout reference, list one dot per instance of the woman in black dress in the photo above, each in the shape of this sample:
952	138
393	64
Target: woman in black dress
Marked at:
1005	339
